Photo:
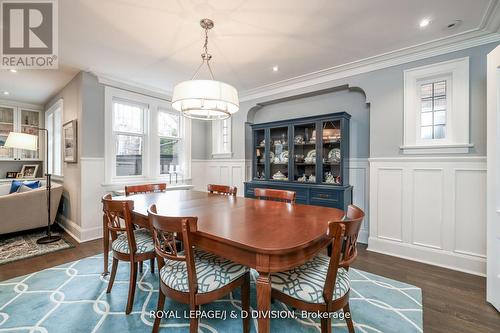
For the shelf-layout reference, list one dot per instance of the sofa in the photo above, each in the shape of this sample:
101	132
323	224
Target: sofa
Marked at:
27	210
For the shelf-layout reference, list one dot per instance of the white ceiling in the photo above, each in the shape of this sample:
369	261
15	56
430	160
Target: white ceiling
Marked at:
157	43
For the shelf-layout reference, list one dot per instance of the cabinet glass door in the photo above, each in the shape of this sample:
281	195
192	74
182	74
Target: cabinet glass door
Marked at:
304	150
278	154
260	153
331	153
6	126
29	125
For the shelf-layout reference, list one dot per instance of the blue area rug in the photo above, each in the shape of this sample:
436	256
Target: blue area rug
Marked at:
72	298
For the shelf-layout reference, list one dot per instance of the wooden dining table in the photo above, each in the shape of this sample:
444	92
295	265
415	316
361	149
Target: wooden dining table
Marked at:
268	236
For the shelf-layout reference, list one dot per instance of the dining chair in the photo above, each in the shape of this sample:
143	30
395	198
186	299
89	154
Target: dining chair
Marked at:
222	189
193	277
354	215
128	244
322	284
275	195
145	188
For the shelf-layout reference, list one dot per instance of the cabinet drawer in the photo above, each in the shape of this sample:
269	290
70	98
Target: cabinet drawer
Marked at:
325	195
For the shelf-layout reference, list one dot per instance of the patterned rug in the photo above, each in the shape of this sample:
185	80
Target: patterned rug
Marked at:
72	298
21	246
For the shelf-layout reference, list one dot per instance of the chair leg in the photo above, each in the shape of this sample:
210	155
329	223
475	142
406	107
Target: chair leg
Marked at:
131	288
348	319
193	324
140	267
114	268
245	302
152	264
161	303
326	325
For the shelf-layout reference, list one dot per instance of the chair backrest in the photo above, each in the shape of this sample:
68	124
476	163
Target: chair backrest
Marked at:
275	195
336	231
118	211
167	231
145	188
352	221
222	189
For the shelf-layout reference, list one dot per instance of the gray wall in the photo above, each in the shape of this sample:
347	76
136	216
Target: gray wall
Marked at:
71	95
201	146
352	102
384	92
92	117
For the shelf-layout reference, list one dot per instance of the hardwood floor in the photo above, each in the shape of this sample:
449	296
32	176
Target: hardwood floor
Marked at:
453	301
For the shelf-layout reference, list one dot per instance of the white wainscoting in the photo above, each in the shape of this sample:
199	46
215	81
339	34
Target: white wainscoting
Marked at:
430	209
234	172
231	172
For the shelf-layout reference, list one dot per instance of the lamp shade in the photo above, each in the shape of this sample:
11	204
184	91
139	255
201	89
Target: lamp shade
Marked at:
21	141
205	99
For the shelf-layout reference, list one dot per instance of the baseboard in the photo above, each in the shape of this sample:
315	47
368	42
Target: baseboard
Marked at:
79	234
446	259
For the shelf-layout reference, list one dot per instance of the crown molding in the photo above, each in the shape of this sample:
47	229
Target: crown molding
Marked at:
133	87
14	103
465	40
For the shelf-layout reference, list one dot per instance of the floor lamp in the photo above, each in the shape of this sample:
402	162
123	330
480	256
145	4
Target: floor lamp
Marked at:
30	142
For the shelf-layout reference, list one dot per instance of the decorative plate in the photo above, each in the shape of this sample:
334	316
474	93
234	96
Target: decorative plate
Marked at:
311	154
279	176
334	155
271	155
284	155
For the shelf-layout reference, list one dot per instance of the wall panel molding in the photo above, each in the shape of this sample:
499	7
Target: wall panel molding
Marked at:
436	204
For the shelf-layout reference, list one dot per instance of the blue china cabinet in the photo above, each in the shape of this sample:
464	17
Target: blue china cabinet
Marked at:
307	155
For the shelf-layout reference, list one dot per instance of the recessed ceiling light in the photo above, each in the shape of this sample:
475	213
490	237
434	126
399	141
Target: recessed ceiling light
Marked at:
12	70
275	68
5	92
425	22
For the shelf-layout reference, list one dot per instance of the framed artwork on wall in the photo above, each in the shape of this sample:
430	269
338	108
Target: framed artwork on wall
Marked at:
70	142
29	170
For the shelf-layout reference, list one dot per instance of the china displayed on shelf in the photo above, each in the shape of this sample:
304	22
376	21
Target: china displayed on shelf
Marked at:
299	139
331	179
311	157
334	155
303	178
279	176
312	179
262	143
299	158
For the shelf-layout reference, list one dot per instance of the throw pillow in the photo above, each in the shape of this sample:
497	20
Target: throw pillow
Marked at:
23	188
17	183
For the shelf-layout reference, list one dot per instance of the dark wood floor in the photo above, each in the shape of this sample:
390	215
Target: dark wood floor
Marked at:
453	301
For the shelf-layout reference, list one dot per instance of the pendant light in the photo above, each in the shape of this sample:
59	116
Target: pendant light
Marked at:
205	99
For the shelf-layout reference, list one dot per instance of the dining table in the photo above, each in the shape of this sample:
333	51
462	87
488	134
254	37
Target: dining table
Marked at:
268	236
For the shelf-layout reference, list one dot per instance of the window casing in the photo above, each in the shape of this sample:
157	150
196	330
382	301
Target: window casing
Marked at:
436	109
147	140
221	138
53	124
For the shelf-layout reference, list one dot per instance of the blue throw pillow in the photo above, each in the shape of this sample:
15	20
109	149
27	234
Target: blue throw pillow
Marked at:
17	183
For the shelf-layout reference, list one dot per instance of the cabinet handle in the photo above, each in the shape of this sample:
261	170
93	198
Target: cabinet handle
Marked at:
323	196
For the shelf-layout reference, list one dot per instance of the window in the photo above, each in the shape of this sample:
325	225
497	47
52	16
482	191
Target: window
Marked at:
436	109
221	138
433	105
128	134
170	141
53	124
148	141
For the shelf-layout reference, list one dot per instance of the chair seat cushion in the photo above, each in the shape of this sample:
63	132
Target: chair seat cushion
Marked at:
213	272
143	239
306	282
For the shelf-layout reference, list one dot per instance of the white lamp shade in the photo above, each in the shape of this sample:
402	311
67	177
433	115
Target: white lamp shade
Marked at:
21	141
205	99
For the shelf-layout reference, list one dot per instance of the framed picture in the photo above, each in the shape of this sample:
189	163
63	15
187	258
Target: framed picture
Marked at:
29	170
11	174
70	142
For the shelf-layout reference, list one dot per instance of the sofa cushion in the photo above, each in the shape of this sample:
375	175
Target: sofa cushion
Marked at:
23	188
17	183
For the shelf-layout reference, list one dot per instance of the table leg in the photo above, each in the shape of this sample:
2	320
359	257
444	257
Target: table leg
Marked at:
105	237
263	286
